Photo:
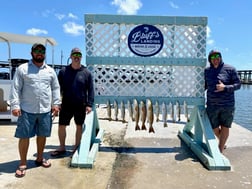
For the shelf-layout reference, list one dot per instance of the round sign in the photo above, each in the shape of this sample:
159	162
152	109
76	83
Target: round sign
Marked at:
145	40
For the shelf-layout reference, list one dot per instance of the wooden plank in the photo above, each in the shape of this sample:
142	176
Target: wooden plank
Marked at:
84	157
80	156
207	151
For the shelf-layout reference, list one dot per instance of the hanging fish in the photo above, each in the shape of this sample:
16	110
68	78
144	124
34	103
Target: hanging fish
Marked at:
123	112
136	114
164	114
150	115
177	111
143	114
157	111
172	112
109	110
130	110
186	111
116	110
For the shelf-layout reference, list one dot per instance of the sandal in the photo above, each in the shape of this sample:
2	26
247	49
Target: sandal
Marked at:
20	172
44	163
57	153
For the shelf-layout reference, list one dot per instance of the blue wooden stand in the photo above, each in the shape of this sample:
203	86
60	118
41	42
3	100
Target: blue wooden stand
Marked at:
92	135
202	140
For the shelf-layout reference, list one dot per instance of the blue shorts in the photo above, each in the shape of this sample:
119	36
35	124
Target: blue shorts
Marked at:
29	125
220	116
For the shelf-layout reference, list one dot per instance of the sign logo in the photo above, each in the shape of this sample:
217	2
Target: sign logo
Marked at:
145	40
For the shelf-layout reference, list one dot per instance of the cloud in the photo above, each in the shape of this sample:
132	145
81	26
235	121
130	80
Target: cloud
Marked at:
128	7
71	15
36	31
173	5
73	29
209	40
59	16
63	16
47	13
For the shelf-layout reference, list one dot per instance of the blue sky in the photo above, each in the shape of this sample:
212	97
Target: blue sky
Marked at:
229	24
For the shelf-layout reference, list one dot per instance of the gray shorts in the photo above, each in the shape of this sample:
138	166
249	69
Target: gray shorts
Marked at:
29	125
220	116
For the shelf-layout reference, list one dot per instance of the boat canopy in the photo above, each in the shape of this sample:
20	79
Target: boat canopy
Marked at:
26	39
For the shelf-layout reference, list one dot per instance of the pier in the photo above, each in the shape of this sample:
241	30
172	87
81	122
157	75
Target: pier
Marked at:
245	76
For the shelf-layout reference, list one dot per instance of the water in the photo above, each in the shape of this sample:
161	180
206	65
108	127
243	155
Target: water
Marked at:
243	111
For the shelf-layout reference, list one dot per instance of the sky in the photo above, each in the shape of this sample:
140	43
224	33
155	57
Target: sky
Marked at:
228	30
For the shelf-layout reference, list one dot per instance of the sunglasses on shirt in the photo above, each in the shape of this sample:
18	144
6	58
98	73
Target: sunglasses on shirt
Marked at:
214	56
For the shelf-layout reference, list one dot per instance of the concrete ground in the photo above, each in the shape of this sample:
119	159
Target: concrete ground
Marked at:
128	159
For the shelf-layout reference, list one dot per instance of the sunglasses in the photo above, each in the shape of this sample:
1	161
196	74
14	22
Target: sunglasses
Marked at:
37	51
214	56
77	55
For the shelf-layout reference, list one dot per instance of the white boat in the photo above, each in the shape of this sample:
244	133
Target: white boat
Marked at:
11	64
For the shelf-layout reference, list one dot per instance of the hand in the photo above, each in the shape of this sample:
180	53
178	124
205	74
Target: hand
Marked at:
88	109
220	87
55	110
16	112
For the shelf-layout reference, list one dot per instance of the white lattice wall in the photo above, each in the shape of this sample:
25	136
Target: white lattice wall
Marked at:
176	72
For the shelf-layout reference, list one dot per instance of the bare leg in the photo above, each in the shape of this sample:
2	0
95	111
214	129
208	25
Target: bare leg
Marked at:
78	135
217	132
62	137
41	140
23	146
224	133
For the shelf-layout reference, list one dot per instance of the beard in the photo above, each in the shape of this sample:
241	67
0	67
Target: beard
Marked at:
38	60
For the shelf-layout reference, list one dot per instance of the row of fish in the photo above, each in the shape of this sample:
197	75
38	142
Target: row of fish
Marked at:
141	111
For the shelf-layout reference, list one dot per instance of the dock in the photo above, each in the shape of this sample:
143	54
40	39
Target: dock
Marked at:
245	76
128	159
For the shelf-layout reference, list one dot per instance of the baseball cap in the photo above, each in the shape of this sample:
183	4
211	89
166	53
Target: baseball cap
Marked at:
75	50
34	46
213	52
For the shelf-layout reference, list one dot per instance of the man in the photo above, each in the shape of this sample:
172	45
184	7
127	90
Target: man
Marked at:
77	92
221	80
34	97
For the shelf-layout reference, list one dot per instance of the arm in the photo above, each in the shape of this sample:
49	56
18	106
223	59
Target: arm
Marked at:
15	93
56	100
236	83
90	93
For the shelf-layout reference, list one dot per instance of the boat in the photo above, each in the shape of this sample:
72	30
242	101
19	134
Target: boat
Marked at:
8	67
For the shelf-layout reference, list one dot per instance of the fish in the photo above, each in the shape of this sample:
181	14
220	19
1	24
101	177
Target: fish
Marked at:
186	111
164	114
172	112
123	111
136	114
143	114
150	115
109	110
177	110
116	110
130	110
157	111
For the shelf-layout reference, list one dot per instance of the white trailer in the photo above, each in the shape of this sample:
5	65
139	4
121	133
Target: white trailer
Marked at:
6	76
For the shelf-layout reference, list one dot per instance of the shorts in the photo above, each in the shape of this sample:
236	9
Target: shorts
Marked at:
68	110
29	125
220	116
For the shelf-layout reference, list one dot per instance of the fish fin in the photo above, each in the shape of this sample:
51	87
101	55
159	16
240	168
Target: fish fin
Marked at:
137	127
151	130
143	127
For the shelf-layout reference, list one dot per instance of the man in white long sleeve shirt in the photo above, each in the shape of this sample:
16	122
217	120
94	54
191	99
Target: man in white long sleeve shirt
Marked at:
34	96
